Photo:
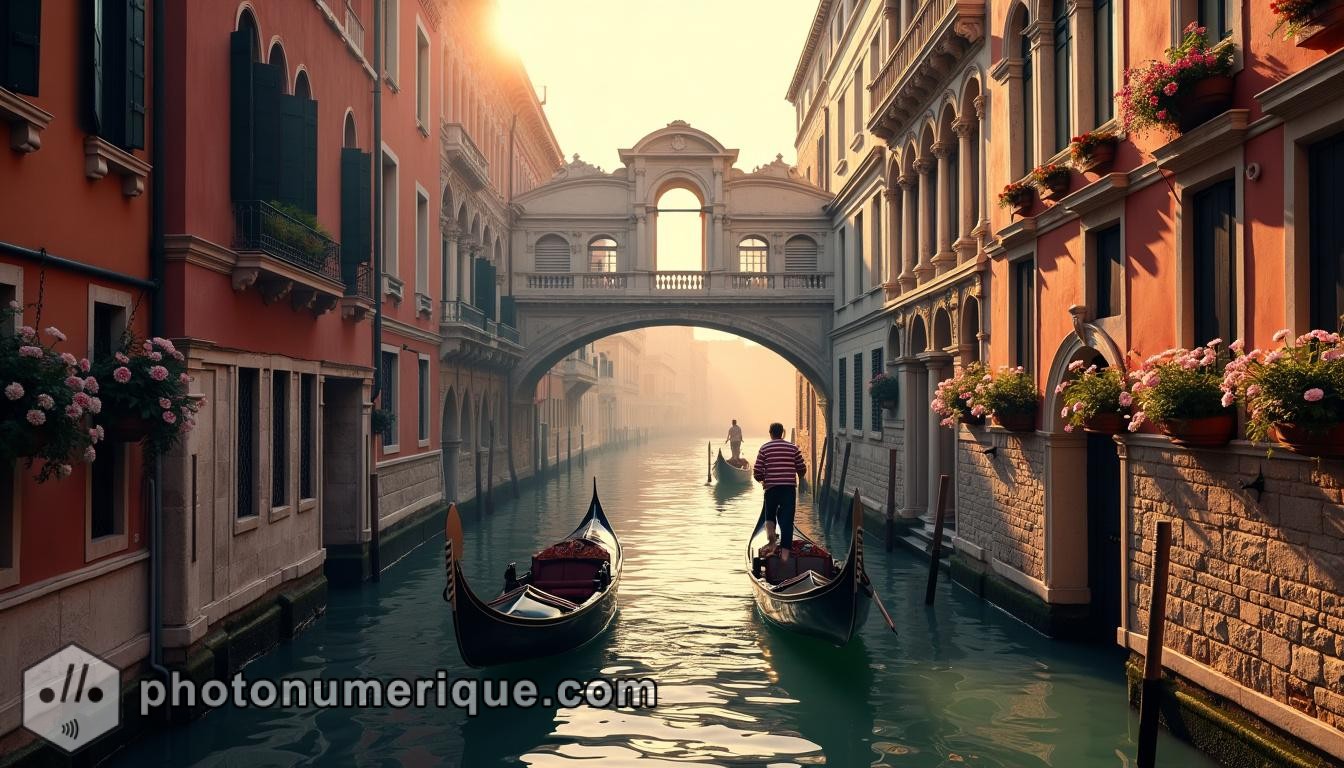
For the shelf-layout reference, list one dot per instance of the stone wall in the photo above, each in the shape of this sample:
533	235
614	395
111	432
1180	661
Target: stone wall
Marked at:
407	485
868	465
1256	586
1001	497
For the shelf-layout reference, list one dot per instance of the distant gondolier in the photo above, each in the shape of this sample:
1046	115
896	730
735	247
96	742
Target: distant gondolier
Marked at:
735	440
779	467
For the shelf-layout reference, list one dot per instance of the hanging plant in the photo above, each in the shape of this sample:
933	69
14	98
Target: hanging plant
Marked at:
884	389
1017	196
47	396
1095	399
1011	398
381	420
1051	178
1093	149
145	395
1192	85
955	398
1294	16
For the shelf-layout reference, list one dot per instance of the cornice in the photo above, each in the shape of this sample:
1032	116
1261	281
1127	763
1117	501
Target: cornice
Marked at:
814	33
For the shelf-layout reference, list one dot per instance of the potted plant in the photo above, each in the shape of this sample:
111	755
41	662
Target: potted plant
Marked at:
1017	196
381	420
954	398
1011	398
1294	394
47	396
1095	399
885	389
1052	179
1180	390
1302	19
1191	86
145	395
1093	150
298	231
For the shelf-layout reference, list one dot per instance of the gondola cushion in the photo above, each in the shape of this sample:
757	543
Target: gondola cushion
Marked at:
571	579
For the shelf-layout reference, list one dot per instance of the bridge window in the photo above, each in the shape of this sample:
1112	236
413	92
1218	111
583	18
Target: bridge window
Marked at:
552	254
680	228
800	254
752	255
602	255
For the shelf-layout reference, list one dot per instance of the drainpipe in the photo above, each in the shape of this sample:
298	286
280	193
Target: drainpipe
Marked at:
375	393
156	269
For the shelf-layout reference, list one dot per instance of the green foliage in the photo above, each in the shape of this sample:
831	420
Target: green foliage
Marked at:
147	384
954	397
884	387
1180	384
297	230
1300	383
1012	391
1091	392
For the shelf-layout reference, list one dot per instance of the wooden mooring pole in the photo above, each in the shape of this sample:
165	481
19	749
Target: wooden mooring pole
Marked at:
569	449
824	478
891	498
583	461
490	473
709	463
936	549
844	473
375	556
557	453
1151	704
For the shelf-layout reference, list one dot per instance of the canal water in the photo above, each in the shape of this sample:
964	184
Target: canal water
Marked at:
962	684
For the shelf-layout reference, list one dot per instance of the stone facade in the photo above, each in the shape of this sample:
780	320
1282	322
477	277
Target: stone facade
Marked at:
1000	500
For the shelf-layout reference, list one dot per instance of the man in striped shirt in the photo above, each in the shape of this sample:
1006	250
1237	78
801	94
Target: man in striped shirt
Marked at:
779	466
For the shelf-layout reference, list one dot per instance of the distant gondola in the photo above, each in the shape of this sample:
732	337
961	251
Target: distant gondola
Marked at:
728	474
565	600
811	593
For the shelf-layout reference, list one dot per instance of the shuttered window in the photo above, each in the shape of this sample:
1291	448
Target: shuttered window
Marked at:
241	57
484	298
298	152
1214	255
1108	267
272	135
508	312
267	91
115	59
858	391
841	389
356	211
875	417
552	254
1326	162
21	38
1024	313
800	254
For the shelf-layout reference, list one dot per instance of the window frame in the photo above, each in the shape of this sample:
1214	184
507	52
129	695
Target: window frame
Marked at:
747	254
102	546
11	278
1190	181
281	382
424	400
390	214
610	255
310	383
1234	307
842	391
242	523
391	388
422	216
391	42
1018	323
423	83
1302	129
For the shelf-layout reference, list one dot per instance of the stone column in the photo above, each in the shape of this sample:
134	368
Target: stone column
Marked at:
451	461
909	234
912	374
891	21
1043	78
891	254
982	179
925	269
641	260
944	258
969	187
1081	28
450	267
473	250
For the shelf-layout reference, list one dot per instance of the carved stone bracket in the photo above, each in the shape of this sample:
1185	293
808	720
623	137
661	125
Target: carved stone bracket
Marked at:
274	290
245	277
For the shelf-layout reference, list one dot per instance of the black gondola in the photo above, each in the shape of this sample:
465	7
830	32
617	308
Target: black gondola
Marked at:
811	593
728	474
565	600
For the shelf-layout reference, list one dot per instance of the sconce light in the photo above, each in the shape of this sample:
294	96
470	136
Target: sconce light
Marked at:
991	451
1257	485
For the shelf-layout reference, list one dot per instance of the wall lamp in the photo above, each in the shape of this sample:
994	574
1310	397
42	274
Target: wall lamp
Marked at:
1257	485
992	450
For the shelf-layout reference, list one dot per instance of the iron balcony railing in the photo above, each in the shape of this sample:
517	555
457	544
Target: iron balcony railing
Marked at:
359	281
464	313
509	333
261	226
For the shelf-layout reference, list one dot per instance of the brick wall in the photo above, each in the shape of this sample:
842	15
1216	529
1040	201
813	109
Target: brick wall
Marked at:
868	459
1255	585
1000	498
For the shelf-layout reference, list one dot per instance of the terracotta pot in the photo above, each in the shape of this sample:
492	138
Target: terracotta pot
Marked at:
126	429
1024	204
1100	158
971	420
1106	424
1326	443
1208	432
1205	99
1055	188
1017	422
890	405
1325	20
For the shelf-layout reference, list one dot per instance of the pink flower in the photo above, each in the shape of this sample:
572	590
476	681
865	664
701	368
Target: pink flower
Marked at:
165	403
64	470
30	351
188	425
1068	427
1077	407
122	358
184	378
82	400
75	383
90	385
1331	355
1136	421
37	418
54	333
74	411
84	364
14	391
99	430
977	410
1170	88
178	356
149	347
1064	412
1126	399
1152	101
169	417
1076	365
1280	335
1228	399
155	356
45	402
27	332
1253	390
1273	357
90	454
69	359
122	375
1313	395
1059	389
95	405
93	435
1161	113
964	396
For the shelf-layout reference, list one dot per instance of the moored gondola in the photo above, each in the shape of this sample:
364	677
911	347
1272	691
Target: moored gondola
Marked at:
811	593
566	599
730	474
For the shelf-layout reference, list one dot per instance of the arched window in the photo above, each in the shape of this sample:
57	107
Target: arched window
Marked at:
753	255
1028	108
351	138
602	255
302	88
552	254
1063	89
680	228
1103	72
276	58
800	254
247	26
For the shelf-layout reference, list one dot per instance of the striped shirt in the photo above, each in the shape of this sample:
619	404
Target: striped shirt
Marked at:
779	463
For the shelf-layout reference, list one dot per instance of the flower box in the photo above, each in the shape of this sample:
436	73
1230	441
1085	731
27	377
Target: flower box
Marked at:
1294	394
971	420
1105	424
1016	422
1206	432
126	428
1018	197
1321	443
1052	180
1206	99
1093	151
1191	86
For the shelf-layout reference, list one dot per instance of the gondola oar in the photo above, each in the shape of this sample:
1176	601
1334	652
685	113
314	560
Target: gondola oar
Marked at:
709	463
868	585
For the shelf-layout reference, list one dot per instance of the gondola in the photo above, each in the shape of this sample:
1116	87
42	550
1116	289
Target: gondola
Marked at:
728	474
812	593
566	599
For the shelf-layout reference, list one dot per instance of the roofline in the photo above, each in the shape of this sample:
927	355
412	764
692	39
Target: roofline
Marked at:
809	47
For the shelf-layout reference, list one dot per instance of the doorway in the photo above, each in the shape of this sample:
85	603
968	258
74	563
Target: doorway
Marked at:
1104	546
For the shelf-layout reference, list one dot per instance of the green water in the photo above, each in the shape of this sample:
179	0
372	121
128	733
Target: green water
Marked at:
962	684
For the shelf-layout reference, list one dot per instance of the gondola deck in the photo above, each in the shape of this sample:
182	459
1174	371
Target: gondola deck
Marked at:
728	474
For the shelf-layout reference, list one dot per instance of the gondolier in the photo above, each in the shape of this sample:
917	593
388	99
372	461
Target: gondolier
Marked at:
779	467
735	440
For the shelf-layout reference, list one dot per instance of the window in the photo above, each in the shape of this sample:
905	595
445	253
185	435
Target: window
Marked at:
389	212
391	38
800	254
841	388
1103	69
840	260
875	260
602	255
245	450
858	392
21	38
875	56
752	255
1214	17
422	387
1108	270
421	242
421	78
390	379
552	254
860	268
1214	254
307	436
823	170
107	486
1325	163
858	98
279	438
1028	120
840	133
876	415
115	83
1063	52
1024	312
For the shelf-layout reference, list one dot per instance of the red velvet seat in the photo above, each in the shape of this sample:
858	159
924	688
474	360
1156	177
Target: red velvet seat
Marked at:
571	579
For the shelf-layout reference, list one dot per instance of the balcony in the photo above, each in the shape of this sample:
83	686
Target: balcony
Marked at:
357	303
281	257
578	375
354	29
717	285
939	36
469	337
460	152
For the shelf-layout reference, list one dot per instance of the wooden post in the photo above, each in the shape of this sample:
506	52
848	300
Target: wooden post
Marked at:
541	447
375	556
476	463
490	472
569	449
513	474
936	549
891	498
844	473
557	452
709	463
583	461
825	478
1151	704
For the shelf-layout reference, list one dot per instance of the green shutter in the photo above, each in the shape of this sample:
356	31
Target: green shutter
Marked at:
91	17
292	162
267	95
488	297
310	156
240	116
508	311
21	38
355	207
134	102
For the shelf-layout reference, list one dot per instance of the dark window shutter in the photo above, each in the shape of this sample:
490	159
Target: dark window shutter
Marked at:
310	155
267	97
1215	250
94	36
491	307
292	152
21	36
508	311
1326	164
134	102
355	205
241	128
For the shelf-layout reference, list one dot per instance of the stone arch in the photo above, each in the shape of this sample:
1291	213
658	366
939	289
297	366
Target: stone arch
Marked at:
303	82
943	338
919	336
275	56
969	330
349	133
465	423
246	19
451	442
1086	342
894	347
